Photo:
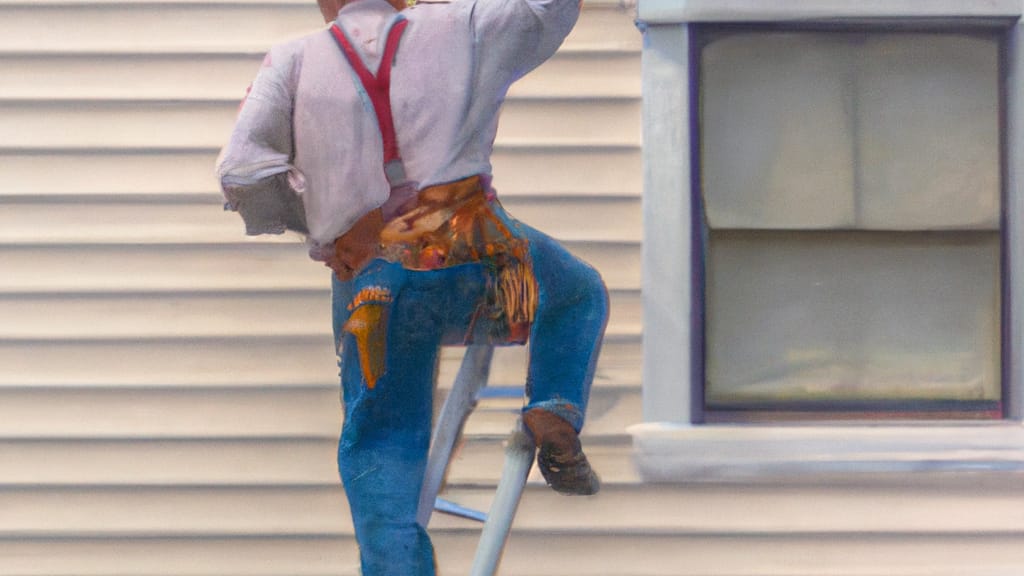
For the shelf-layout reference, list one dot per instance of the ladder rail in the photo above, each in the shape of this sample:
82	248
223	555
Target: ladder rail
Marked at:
471	378
519	455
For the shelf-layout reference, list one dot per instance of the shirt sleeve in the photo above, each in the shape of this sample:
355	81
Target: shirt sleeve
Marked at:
255	166
515	36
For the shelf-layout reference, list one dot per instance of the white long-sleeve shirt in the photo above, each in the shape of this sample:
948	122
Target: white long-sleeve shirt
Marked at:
304	116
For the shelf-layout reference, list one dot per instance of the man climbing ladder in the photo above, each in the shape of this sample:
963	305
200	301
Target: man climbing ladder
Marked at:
373	138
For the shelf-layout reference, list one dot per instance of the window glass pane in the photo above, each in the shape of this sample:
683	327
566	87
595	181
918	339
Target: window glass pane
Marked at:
928	145
843	316
776	132
851	186
843	130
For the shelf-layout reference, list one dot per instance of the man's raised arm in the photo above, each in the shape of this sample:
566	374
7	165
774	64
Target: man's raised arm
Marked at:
522	34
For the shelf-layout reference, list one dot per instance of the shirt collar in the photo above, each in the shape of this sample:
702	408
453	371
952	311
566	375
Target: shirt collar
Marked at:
366	6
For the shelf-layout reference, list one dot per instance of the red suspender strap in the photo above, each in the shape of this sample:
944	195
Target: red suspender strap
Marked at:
378	87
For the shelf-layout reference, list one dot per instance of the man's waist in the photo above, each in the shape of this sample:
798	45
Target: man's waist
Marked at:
414	227
431	208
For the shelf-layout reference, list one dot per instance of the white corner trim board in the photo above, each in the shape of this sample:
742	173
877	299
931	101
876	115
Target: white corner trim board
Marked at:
666	11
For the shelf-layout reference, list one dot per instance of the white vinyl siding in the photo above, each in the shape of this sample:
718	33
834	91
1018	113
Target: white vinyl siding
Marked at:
169	402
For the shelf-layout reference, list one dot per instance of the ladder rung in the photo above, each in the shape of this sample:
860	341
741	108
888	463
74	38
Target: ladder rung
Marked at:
501	392
453	509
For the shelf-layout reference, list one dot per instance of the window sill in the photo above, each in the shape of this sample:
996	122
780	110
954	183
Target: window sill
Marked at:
667	453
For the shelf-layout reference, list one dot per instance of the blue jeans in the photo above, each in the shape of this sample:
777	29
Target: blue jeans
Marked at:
382	453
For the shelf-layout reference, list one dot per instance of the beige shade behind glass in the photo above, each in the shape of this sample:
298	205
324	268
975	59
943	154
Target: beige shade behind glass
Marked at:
776	132
928	126
852	315
816	149
818	130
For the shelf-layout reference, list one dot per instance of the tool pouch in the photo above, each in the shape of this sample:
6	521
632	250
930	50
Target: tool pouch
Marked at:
458	223
368	323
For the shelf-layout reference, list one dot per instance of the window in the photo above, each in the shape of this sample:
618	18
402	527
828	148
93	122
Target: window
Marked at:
893	218
850	184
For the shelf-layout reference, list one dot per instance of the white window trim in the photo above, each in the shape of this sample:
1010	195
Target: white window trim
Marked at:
670	445
679	11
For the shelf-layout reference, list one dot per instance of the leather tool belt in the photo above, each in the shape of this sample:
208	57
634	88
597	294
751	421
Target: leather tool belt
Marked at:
458	223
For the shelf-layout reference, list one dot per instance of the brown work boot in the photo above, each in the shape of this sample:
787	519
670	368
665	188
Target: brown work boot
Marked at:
559	455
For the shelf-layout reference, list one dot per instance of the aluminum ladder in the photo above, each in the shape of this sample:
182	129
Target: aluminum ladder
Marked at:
469	384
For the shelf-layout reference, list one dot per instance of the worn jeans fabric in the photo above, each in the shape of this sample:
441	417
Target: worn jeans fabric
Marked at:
386	433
